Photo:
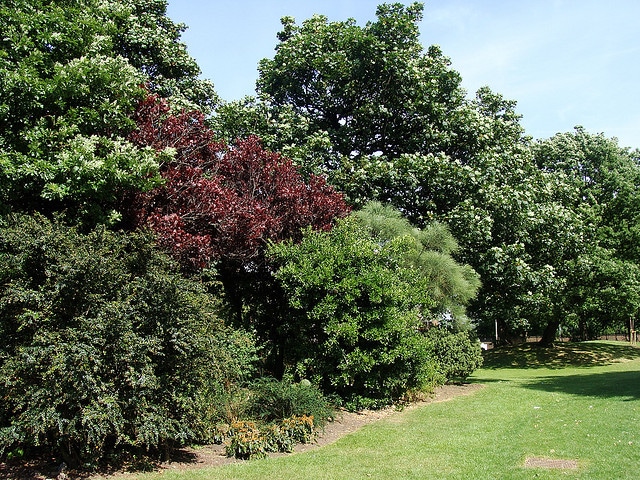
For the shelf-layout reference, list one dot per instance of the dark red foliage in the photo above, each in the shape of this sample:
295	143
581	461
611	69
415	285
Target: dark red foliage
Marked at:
222	202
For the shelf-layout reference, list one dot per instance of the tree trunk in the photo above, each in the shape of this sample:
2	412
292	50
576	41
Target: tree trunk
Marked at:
230	278
549	334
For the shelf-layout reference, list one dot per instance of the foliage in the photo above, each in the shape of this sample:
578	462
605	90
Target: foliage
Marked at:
248	441
527	215
458	355
106	349
300	428
373	89
222	398
275	400
517	226
428	250
223	204
402	132
358	306
72	74
603	292
280	129
151	42
602	285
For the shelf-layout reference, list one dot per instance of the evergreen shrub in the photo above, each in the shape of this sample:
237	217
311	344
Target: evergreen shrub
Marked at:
274	400
106	350
457	354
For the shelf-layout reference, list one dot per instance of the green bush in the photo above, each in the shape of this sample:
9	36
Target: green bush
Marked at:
358	305
457	354
105	349
223	398
301	429
274	400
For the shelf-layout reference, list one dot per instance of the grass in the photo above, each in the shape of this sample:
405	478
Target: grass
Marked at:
578	402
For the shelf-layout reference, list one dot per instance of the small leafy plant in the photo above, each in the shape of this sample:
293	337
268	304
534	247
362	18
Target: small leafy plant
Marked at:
248	441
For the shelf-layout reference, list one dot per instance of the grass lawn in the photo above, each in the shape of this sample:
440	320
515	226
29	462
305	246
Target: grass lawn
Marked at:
578	403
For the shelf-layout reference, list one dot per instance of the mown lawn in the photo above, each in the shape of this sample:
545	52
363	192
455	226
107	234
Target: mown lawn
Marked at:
579	403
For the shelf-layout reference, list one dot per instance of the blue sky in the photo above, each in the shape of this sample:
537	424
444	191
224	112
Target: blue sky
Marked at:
566	62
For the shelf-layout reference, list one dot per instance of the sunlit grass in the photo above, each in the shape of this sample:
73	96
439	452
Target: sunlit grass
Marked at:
579	402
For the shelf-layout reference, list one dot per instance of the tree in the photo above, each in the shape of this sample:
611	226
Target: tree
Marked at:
603	294
607	177
222	205
72	74
450	286
603	284
509	217
280	129
375	91
361	297
403	132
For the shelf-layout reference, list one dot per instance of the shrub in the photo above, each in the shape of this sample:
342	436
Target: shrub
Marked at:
222	398
456	353
301	429
274	400
357	309
247	441
106	349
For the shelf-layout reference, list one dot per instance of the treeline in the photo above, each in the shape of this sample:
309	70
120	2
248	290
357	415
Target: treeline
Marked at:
175	266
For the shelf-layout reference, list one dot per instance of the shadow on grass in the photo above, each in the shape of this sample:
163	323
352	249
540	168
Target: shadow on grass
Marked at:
623	385
580	354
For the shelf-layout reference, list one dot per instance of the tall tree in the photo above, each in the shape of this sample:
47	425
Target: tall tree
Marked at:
374	89
403	131
606	180
71	75
221	205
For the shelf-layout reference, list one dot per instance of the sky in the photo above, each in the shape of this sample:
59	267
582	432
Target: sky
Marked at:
565	62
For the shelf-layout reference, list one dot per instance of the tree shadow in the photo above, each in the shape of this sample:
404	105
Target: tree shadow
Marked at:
622	385
579	354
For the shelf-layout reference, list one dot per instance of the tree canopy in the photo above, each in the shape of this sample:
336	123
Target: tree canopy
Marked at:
72	74
602	281
375	90
403	131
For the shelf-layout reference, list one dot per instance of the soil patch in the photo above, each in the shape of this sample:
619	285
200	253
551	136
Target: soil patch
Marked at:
541	462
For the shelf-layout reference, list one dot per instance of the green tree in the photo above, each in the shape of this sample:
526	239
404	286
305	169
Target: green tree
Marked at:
450	286
513	221
71	74
375	91
280	129
361	297
403	132
605	178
